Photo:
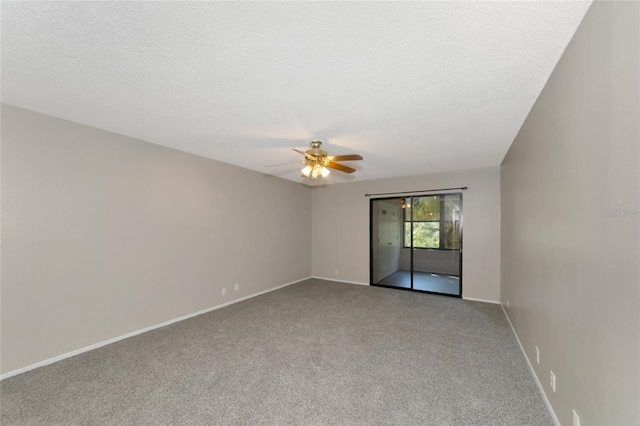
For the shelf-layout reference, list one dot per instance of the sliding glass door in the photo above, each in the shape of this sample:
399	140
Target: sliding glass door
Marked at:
416	243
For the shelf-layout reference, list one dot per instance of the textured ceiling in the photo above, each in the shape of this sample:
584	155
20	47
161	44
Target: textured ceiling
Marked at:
414	87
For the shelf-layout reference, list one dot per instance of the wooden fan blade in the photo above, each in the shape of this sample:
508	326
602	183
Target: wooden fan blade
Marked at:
284	164
349	157
340	167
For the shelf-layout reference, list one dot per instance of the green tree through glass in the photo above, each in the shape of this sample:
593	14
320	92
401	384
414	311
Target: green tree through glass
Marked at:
427	223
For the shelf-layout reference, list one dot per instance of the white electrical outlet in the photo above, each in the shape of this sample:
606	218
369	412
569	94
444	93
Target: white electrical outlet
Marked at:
576	419
224	291
236	287
552	381
537	355
507	303
337	271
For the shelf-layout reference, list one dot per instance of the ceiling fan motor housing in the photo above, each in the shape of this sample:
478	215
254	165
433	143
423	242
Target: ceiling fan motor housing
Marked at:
316	152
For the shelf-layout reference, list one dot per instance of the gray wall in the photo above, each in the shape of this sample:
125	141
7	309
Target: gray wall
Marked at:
103	235
340	217
570	269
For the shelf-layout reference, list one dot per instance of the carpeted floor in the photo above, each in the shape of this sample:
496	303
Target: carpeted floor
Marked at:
312	353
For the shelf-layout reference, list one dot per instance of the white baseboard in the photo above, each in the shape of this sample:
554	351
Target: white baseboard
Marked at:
339	281
533	373
472	299
135	333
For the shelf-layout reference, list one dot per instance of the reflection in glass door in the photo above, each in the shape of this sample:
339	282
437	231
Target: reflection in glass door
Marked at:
386	219
416	243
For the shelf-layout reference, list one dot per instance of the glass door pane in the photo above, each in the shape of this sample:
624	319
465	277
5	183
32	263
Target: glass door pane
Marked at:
436	236
386	243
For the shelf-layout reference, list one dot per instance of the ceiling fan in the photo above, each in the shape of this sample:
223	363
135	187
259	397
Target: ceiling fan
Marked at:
318	162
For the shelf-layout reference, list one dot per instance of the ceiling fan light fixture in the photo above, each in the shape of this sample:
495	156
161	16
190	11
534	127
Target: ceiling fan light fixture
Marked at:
306	171
315	171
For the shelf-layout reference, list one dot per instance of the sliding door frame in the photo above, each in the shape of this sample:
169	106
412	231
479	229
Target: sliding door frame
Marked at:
400	197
